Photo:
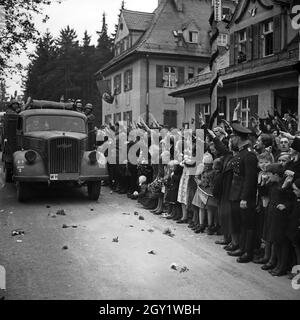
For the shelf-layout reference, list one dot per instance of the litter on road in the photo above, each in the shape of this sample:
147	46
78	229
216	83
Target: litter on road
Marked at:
174	266
184	269
168	232
65	247
152	252
151	230
141	218
116	239
18	232
126	214
61	213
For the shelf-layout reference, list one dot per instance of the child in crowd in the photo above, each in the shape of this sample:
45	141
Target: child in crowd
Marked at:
172	186
277	217
204	199
263	199
143	188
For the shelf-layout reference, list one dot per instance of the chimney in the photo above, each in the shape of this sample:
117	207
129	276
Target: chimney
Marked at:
179	5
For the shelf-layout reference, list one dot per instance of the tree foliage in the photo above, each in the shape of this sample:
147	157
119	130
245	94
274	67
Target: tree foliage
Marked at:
66	66
17	28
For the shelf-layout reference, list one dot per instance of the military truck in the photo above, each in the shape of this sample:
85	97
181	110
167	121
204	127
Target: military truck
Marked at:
49	143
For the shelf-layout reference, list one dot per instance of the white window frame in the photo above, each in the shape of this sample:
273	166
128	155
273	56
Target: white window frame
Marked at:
265	34
223	39
193	36
245	110
170	77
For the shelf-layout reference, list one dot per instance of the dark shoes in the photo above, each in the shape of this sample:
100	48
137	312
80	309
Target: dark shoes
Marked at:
191	225
200	229
278	273
222	242
231	247
260	261
268	266
236	253
183	221
245	258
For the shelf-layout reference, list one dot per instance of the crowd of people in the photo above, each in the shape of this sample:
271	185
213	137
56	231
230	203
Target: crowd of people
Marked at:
246	188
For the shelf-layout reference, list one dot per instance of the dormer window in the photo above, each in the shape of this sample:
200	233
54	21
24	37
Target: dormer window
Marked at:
242	46
193	37
268	38
121	26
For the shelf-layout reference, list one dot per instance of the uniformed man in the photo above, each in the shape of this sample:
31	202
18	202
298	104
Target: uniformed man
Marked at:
88	109
13	107
243	192
79	106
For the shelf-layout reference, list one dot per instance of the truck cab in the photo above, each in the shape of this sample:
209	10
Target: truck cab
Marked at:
51	145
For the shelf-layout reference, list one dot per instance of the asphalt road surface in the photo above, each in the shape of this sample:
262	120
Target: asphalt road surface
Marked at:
95	267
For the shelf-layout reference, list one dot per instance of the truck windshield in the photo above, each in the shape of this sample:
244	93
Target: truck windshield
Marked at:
55	123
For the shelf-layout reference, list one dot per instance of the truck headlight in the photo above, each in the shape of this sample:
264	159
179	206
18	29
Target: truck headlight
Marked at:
30	156
93	157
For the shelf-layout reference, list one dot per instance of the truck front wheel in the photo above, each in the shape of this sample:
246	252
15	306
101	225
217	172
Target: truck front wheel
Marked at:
23	191
94	189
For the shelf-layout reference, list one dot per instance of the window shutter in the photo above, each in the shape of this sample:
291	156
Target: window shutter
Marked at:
277	33
232	49
180	75
197	112
232	106
255	41
159	76
236	47
249	43
253	105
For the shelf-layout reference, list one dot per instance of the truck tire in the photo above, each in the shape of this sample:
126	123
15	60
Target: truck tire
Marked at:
8	171
23	192
94	189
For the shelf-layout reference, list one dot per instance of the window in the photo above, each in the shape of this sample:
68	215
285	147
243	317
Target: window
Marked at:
206	112
268	38
193	37
117	84
191	73
226	11
117	117
107	119
127	117
245	111
170	118
170	77
223	40
128	80
242	38
117	49
122	46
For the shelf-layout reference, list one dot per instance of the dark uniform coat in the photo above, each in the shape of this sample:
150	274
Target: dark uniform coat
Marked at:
243	187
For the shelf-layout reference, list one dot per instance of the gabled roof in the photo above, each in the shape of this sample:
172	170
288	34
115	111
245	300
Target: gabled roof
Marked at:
158	37
243	5
137	20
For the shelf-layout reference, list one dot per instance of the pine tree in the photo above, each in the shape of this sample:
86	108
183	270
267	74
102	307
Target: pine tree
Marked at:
41	65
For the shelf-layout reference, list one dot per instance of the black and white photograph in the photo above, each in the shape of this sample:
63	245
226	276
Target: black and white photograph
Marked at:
149	151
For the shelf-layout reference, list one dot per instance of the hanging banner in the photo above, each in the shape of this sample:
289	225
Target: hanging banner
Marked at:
218	10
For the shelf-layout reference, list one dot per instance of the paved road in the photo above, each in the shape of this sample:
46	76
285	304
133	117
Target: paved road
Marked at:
95	267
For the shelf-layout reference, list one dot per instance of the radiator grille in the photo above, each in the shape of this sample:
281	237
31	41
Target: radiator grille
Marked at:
63	155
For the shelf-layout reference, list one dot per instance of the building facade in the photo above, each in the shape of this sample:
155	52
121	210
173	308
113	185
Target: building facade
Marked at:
258	70
154	54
